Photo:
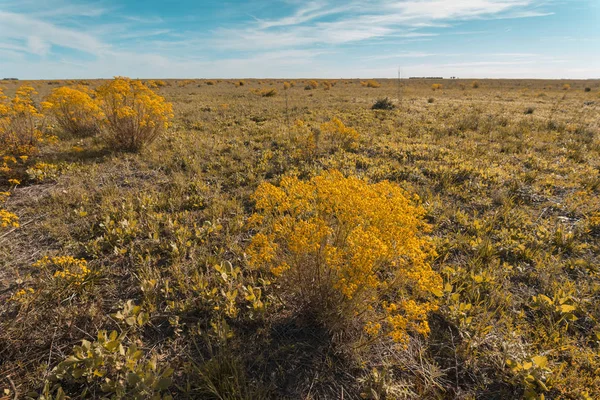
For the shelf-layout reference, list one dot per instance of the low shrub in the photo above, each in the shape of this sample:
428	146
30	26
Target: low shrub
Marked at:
74	110
135	115
347	252
266	92
339	134
20	123
311	85
383	104
371	83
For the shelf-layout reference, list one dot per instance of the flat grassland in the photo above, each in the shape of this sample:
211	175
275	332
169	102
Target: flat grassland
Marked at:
508	172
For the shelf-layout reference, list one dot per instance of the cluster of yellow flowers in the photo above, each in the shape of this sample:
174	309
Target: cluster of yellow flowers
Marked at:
347	249
22	295
135	115
7	219
72	270
74	109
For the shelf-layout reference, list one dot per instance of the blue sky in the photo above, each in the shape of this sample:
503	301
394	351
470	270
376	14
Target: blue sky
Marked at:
52	39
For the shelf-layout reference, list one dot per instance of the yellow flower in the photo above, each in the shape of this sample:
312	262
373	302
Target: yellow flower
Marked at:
71	270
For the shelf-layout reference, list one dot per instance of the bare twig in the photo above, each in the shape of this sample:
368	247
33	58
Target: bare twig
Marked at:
14	388
21	225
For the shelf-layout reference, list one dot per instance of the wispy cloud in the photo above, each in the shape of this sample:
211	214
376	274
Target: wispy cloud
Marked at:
325	23
40	35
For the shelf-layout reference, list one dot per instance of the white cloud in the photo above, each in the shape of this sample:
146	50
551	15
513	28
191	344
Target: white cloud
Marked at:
21	27
38	46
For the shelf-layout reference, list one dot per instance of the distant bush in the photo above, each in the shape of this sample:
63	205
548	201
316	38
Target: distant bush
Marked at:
475	84
155	84
371	83
383	104
311	85
185	83
265	92
529	110
346	251
430	100
437	86
587	89
240	83
74	110
566	86
210	83
135	115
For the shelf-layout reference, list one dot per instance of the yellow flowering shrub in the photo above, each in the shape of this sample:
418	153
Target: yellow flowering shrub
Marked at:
19	123
339	134
73	271
135	115
74	110
347	250
304	140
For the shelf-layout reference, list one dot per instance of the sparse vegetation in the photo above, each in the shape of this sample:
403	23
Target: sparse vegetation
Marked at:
444	251
383	104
